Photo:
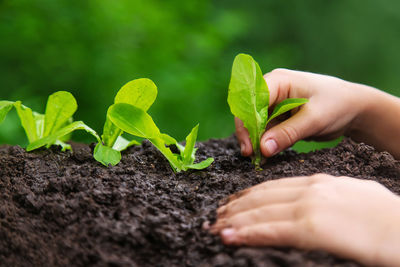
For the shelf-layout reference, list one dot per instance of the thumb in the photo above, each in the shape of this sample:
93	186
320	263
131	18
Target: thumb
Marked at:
302	125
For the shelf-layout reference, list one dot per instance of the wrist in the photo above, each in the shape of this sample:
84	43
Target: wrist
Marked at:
364	101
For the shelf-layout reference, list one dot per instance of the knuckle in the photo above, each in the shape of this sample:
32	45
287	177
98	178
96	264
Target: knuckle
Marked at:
280	71
291	134
303	209
277	71
311	224
319	178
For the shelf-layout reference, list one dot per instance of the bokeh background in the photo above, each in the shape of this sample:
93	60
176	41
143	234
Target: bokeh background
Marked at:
92	47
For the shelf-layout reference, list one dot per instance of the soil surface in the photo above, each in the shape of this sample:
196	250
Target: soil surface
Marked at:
65	209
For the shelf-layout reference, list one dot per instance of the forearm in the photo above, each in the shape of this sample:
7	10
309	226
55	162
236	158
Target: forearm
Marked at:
378	122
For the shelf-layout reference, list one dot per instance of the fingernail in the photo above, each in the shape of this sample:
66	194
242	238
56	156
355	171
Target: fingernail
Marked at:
272	146
206	225
242	148
229	235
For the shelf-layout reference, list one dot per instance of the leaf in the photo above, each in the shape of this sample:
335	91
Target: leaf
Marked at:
39	122
201	165
53	138
189	152
5	107
140	93
106	155
248	95
28	121
133	120
60	107
286	105
169	140
122	144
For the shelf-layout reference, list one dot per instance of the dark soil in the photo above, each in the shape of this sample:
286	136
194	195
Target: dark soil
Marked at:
64	209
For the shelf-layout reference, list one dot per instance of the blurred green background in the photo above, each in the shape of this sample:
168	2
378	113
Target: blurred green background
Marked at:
91	48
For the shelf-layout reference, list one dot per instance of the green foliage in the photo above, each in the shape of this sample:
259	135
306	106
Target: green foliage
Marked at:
55	137
5	107
136	121
186	47
248	99
52	128
140	93
106	155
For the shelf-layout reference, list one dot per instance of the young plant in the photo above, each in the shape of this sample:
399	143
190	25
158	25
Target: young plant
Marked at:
248	99
137	122
140	93
52	128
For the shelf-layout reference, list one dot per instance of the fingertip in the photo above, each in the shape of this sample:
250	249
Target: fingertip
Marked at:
229	236
245	149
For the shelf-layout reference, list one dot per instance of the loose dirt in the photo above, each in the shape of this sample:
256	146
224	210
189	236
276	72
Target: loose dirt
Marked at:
65	209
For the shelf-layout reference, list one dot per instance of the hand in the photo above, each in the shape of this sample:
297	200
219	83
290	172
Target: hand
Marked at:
349	217
334	109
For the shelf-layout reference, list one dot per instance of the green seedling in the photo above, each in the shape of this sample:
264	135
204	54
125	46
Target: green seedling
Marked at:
248	99
138	122
52	128
140	93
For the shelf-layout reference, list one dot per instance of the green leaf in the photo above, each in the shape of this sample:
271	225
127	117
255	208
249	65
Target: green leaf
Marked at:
39	122
286	105
28	121
53	138
60	107
189	152
248	95
133	120
201	165
169	140
140	93
5	107
122	144
106	155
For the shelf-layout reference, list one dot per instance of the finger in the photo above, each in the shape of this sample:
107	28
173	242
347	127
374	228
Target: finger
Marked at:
284	83
303	124
259	198
243	138
279	233
264	214
275	184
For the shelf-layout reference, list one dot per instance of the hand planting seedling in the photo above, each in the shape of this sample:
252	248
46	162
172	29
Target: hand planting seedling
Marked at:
248	99
140	93
137	122
52	128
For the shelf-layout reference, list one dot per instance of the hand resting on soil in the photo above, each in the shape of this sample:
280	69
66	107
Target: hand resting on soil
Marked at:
349	217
